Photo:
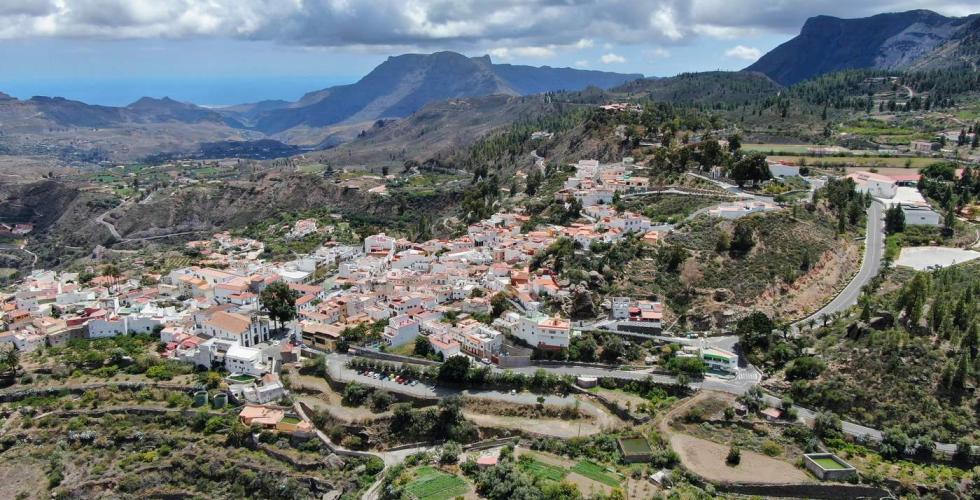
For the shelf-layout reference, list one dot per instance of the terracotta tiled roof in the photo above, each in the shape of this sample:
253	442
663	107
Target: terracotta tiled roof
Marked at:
230	322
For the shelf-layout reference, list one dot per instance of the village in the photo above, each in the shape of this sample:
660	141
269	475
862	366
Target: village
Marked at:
213	316
476	296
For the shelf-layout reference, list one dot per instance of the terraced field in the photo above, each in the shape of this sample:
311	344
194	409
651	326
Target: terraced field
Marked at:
433	484
541	470
596	472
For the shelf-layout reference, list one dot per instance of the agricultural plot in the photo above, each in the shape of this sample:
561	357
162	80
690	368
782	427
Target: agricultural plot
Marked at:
596	472
541	470
175	262
433	484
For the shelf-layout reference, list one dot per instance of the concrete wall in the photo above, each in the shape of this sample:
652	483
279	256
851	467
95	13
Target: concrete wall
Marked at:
842	474
368	353
820	491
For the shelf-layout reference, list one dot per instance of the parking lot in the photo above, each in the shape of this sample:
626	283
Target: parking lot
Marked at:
921	258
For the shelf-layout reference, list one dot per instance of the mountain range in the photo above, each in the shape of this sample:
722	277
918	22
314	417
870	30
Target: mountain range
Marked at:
916	39
395	89
431	88
403	84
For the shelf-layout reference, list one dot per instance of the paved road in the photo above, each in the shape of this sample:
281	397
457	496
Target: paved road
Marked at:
747	377
110	226
874	248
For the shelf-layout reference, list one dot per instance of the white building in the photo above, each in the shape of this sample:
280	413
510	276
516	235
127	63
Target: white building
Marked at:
444	344
261	394
28	341
242	330
401	330
379	244
737	209
245	360
120	325
481	342
880	186
539	330
620	307
718	359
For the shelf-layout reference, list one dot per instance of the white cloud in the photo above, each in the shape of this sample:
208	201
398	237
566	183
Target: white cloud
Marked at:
743	52
525	52
657	53
525	25
582	64
611	58
723	32
665	22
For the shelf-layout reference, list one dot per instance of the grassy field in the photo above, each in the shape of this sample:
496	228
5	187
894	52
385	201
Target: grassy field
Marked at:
312	168
595	472
861	161
969	114
541	470
432	484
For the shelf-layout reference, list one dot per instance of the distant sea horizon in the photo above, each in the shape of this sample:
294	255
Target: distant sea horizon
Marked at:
203	91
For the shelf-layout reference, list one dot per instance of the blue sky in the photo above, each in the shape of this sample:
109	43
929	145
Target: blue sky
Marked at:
217	52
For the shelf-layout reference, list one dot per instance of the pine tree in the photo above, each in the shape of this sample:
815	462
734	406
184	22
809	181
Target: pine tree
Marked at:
962	372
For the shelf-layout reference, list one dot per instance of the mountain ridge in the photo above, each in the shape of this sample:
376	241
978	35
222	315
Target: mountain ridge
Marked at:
404	84
899	40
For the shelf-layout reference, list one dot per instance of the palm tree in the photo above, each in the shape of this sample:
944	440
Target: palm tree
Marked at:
111	271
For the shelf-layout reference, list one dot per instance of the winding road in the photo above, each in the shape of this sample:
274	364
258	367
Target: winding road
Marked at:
874	249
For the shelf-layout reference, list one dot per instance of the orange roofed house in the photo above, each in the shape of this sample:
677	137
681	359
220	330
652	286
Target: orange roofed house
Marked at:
272	417
246	331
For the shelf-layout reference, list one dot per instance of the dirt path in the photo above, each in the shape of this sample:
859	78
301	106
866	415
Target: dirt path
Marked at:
707	459
546	426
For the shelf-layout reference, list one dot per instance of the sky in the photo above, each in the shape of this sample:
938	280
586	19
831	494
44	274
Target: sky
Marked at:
220	52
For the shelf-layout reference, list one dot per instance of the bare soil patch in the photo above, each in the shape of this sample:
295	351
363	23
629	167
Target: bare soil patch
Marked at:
544	426
22	474
811	291
707	459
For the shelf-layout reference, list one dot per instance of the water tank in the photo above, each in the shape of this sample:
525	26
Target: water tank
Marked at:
200	398
220	400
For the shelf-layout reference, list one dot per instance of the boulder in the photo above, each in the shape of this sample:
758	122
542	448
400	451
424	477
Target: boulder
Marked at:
882	320
857	330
